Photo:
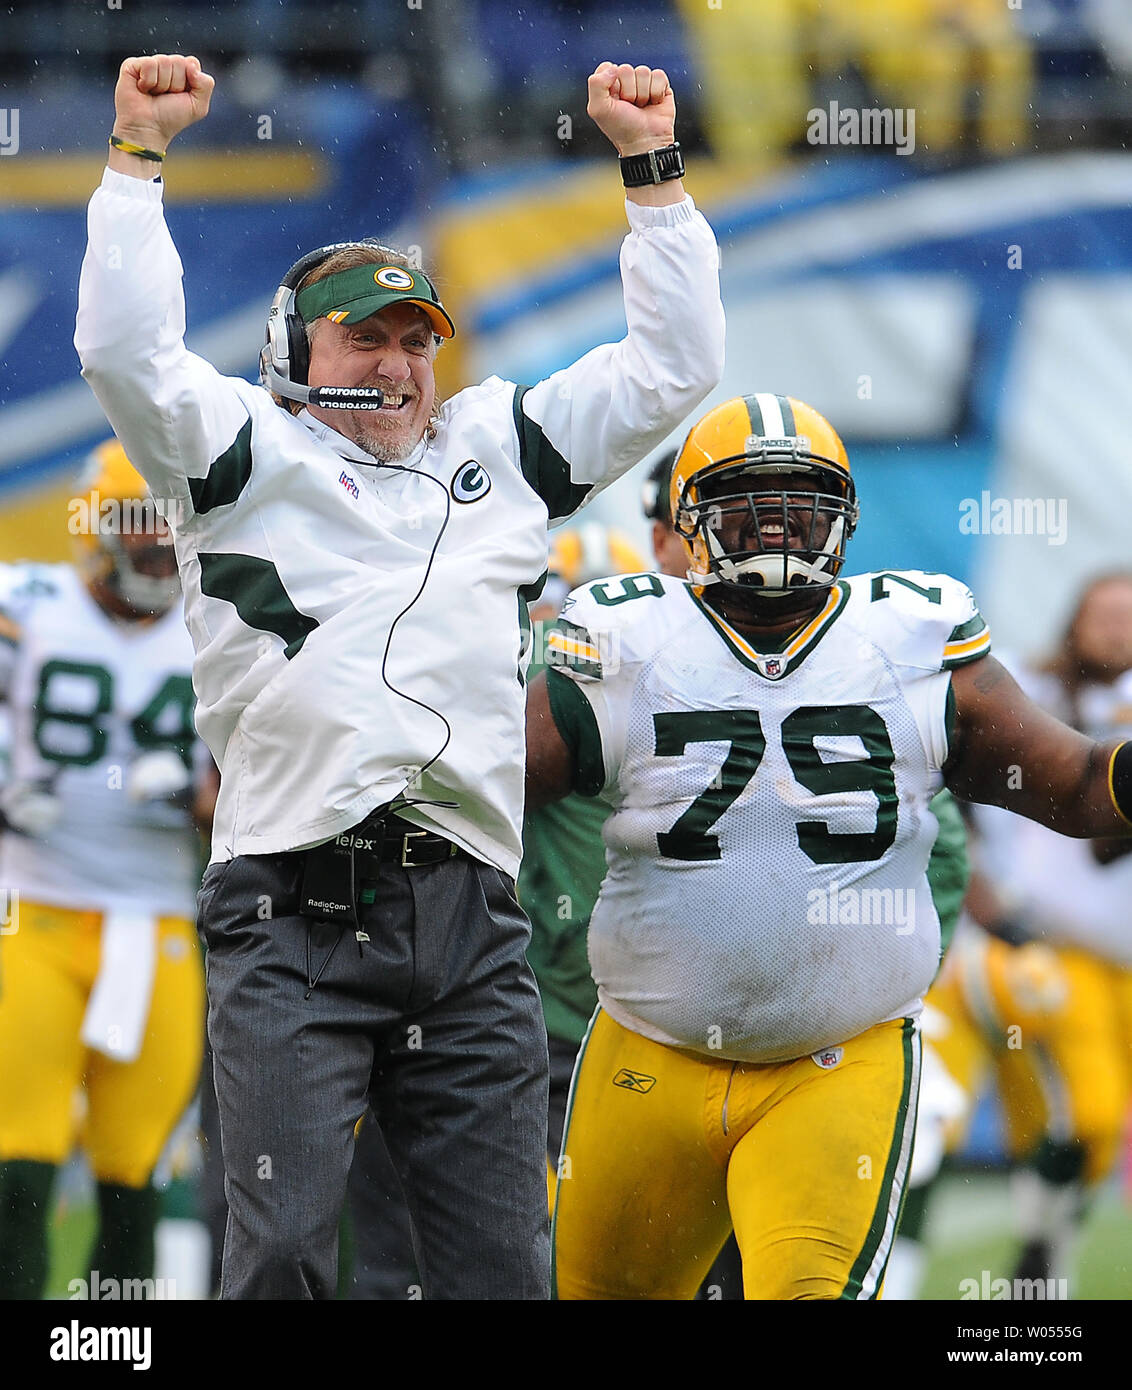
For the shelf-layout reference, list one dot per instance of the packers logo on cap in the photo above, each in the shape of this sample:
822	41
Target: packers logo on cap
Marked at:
349	296
393	278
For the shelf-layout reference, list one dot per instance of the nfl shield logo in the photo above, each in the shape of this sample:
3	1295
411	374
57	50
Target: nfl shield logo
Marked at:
828	1057
772	666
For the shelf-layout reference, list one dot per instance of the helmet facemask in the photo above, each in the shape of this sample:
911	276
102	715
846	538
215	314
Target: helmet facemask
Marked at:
818	518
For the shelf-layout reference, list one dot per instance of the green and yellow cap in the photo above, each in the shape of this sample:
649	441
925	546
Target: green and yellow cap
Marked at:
353	295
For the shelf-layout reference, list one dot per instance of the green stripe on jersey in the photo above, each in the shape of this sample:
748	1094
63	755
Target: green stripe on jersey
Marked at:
948	867
543	466
576	722
254	589
949	663
228	475
569	650
971	628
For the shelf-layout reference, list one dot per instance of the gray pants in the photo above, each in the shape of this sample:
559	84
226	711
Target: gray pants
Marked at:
435	1021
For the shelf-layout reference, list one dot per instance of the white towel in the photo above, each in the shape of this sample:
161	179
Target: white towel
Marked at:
118	1009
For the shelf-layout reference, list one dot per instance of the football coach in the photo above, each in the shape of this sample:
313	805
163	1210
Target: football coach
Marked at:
357	561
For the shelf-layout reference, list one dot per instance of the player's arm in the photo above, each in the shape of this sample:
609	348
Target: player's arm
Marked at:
584	426
550	762
1007	751
174	414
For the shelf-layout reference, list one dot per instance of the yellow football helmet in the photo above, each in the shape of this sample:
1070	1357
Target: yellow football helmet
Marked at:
715	477
113	501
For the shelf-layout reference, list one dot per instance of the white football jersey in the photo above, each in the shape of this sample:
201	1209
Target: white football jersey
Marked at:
360	628
766	893
85	696
1052	881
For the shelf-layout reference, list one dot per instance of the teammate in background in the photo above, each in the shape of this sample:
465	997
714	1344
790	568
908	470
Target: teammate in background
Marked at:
770	740
1050	1000
99	863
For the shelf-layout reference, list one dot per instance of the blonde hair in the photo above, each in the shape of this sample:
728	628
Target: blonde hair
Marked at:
348	258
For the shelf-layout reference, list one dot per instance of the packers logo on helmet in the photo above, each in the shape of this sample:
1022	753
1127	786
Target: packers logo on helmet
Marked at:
114	502
784	536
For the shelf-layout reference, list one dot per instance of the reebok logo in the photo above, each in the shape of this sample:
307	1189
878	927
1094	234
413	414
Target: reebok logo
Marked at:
634	1080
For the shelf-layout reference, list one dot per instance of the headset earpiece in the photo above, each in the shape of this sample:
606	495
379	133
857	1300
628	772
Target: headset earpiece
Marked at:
298	348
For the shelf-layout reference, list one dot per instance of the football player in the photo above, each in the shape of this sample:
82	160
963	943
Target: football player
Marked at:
770	737
947	875
99	863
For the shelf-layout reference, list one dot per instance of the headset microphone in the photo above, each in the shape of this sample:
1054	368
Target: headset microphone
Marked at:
329	397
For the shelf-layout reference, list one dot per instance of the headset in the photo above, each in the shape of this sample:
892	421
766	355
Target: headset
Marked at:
284	360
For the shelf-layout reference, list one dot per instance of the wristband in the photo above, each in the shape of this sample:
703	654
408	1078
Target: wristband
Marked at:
654	166
1120	780
127	148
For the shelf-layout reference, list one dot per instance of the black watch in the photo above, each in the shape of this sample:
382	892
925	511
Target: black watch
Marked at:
655	166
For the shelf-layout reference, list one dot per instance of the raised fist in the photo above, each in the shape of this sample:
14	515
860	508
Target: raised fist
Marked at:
632	107
157	97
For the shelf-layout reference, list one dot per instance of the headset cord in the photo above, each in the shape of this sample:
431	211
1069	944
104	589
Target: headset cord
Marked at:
311	983
401	468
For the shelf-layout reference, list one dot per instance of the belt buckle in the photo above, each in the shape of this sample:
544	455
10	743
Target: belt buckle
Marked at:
407	863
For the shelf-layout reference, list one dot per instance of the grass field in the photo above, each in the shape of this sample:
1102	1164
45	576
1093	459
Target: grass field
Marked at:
968	1231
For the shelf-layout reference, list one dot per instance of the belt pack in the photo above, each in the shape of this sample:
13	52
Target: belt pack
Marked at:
342	873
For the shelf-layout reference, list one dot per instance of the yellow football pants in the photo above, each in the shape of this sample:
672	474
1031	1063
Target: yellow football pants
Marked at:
1063	1065
665	1151
47	970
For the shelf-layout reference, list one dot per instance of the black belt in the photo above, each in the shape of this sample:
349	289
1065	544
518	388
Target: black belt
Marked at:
412	848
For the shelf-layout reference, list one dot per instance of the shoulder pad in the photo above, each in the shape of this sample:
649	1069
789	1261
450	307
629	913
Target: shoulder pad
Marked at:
930	621
609	622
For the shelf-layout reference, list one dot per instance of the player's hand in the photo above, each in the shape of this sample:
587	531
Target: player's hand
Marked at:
633	107
30	808
157	97
157	776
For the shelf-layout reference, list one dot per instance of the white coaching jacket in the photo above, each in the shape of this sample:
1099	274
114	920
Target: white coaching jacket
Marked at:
298	552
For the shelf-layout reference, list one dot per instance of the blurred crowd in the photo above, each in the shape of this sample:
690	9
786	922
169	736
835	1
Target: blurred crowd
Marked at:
491	80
